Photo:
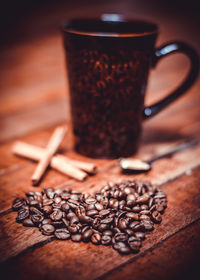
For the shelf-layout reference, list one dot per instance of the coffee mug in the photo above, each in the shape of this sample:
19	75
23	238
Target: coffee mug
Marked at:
108	62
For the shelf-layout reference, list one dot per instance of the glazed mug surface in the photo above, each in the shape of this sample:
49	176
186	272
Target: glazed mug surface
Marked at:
108	62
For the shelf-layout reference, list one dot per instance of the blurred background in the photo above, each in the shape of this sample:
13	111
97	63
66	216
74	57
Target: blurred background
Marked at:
33	83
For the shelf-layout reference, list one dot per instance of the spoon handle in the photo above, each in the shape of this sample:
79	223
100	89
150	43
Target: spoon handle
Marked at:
173	150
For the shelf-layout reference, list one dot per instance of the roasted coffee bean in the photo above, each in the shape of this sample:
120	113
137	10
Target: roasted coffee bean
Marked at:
90	200
116	230
50	193
129	231
73	228
18	203
85	228
65	207
35	211
96	238
143	199
128	190
98	206
33	202
47	209
108	232
105	240
104	212
47	202
132	216
121	237
74	197
76	237
80	210
46	221
23	213
145	212
103	227
130	200
90	207
65	195
92	212
47	229
87	234
62	233
123	224
140	235
144	207
113	203
134	243
65	221
121	247
28	223
73	203
107	220
148	225
37	218
96	222
56	215
70	214
86	219
57	199
144	217
74	220
136	209
156	217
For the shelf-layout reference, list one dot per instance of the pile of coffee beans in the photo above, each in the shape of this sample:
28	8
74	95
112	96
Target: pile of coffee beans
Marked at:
119	215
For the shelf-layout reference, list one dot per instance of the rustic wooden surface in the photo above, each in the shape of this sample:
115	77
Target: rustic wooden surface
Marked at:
33	101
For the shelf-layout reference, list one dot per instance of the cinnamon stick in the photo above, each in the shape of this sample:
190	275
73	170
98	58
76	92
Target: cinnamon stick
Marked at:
58	162
50	150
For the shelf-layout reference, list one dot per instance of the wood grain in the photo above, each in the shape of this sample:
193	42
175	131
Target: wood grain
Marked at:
72	258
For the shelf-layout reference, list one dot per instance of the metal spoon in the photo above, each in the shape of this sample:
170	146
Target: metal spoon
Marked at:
139	166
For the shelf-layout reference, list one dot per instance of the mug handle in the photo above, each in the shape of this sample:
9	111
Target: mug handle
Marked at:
165	50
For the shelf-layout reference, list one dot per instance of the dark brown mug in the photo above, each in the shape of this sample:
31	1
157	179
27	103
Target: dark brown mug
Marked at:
108	62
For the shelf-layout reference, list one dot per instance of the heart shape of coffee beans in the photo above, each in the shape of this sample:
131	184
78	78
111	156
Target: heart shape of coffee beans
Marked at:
119	214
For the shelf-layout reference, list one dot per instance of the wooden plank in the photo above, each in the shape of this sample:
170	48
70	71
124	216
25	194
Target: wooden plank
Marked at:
86	261
176	258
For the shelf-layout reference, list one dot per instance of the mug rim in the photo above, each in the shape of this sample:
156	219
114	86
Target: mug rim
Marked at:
109	18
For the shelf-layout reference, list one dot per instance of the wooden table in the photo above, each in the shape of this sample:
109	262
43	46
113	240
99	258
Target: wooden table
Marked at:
33	102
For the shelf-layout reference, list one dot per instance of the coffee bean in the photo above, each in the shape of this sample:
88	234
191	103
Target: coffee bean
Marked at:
148	225
134	244
144	217
107	220
28	223
143	199
80	210
47	209
96	238
74	197
130	200
140	235
103	227
62	233
57	199
105	240
122	248
156	217
121	237
50	193
108	232
76	237
87	234
96	222
23	213
113	203
98	206
92	212
47	202
56	215
132	216
104	212
128	190
129	231
73	228
47	229
37	218
123	223
86	219
74	220
136	209
73	203
65	195
90	200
